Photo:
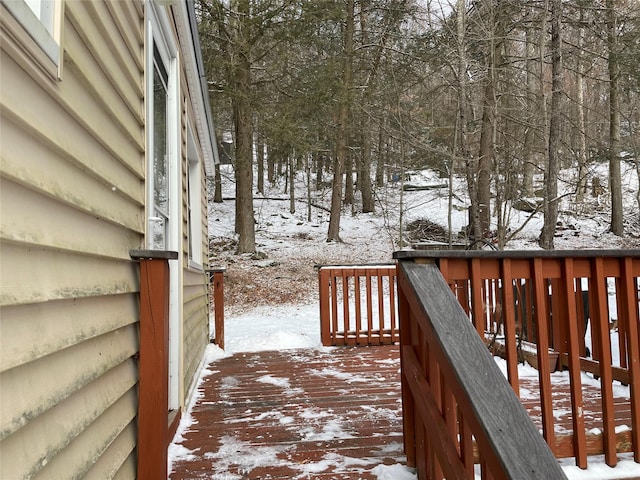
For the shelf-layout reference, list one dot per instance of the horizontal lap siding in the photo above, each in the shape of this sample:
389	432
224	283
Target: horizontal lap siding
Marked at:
195	307
72	201
196	333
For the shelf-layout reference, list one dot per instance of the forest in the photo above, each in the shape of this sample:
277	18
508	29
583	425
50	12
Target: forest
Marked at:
502	93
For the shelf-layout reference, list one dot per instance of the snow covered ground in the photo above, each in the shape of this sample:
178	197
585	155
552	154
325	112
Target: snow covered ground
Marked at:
272	298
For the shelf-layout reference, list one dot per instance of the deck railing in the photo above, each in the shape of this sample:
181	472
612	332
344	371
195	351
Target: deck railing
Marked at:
358	305
582	306
155	423
216	298
458	410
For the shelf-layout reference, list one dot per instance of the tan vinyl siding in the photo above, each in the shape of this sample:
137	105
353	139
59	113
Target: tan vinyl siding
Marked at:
196	325
72	206
195	317
33	331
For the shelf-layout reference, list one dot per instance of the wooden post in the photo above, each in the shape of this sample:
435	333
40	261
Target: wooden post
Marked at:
153	391
325	313
217	279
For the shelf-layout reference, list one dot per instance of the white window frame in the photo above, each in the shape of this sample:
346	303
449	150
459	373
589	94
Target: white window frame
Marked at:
40	39
194	202
158	35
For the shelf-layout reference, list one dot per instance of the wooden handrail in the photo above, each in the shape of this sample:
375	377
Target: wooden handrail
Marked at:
549	298
454	395
358	305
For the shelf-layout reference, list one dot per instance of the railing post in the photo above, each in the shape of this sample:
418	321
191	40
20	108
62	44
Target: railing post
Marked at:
217	280
153	391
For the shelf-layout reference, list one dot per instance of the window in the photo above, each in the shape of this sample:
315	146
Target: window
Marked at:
43	10
159	220
162	137
194	203
40	22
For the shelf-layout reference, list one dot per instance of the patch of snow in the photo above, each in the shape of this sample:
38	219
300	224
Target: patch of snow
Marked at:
394	472
599	470
277	381
243	457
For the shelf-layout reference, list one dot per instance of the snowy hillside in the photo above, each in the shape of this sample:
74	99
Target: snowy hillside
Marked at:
290	244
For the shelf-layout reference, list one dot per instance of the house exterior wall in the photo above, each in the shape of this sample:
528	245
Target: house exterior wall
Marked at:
194	281
72	206
195	285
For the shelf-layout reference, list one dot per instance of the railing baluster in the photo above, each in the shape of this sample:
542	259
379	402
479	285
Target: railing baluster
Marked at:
333	282
510	331
369	309
466	445
623	322
575	384
600	326
381	316
345	305
629	296
541	290
477	298
356	300
325	300
392	306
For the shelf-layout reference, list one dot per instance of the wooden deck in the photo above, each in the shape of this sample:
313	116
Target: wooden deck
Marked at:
297	414
332	414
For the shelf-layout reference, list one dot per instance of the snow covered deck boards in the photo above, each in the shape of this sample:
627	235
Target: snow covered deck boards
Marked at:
333	414
303	414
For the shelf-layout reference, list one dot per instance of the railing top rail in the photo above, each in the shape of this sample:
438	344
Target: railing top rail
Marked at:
356	265
411	254
483	393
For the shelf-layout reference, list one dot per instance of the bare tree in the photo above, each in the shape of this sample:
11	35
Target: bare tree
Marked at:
471	164
615	181
554	142
344	108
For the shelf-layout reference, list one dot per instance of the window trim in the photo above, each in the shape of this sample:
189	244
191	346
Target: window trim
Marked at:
158	35
167	54
194	203
41	46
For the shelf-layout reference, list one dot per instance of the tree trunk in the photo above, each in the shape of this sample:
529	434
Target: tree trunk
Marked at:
271	167
581	187
553	155
364	177
348	170
529	137
615	180
308	175
319	169
292	186
243	132
485	158
260	160
382	154
333	233
217	191
471	166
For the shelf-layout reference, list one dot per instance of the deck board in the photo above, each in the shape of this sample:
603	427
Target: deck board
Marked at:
331	413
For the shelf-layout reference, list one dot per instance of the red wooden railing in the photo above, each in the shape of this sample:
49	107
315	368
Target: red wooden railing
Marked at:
458	410
216	281
358	305
155	422
540	297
